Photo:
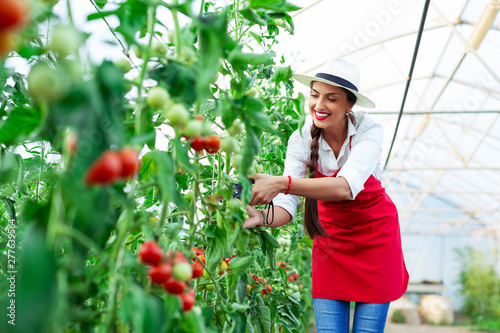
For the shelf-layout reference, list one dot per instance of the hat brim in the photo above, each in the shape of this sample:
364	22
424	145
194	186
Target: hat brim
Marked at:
362	100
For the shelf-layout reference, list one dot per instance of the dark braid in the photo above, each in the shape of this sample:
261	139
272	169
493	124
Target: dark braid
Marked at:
311	218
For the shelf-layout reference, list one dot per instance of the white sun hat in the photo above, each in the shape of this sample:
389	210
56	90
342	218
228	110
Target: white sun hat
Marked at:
340	73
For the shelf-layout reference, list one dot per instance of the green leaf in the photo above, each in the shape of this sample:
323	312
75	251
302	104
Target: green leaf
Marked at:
264	317
253	17
239	59
278	5
11	210
213	33
7	167
178	79
216	248
270	240
239	265
21	122
35	297
252	107
282	74
250	150
165	175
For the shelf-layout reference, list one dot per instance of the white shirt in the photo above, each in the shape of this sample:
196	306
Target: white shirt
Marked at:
358	162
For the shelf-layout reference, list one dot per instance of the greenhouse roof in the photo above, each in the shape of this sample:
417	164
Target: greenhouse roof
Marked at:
444	168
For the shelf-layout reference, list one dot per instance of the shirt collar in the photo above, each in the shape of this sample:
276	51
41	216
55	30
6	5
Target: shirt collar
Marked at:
351	131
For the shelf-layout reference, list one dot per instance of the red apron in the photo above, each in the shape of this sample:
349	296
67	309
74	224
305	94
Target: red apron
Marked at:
362	259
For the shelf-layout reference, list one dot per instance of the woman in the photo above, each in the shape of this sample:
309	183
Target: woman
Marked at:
357	253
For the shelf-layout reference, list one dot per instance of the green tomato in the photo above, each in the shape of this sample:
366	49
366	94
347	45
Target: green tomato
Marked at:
229	145
159	49
187	53
278	21
157	97
123	64
251	92
44	83
236	161
189	196
182	271
193	128
65	40
206	275
177	114
138	51
282	241
234	205
259	168
236	128
210	287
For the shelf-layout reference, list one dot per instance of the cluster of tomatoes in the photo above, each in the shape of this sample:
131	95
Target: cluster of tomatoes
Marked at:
196	130
113	165
260	280
171	270
292	276
13	16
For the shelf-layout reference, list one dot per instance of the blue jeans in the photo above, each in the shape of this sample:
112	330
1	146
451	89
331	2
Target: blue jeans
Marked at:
333	316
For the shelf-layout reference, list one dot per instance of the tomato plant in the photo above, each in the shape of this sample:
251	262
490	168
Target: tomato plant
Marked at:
124	222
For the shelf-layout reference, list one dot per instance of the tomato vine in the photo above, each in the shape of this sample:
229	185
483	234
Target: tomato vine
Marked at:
86	182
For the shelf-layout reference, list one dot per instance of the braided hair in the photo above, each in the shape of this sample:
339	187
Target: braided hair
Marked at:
312	223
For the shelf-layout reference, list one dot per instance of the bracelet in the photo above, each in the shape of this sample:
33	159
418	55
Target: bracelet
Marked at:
289	185
264	222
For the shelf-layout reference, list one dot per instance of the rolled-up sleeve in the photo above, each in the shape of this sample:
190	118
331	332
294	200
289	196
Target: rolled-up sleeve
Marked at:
296	163
365	154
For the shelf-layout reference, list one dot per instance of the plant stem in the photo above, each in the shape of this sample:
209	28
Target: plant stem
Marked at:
236	20
70	16
115	263
42	156
147	52
177	42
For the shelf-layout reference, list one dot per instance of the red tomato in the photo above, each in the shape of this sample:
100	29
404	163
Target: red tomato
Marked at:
227	260
187	300
12	13
198	251
6	42
197	270
197	143
105	170
295	276
281	264
211	143
160	273
174	286
267	290
150	253
130	162
290	278
176	257
202	258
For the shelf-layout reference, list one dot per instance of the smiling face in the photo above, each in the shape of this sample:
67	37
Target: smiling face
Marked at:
328	105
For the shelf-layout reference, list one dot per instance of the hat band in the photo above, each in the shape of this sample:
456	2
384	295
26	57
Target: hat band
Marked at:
338	80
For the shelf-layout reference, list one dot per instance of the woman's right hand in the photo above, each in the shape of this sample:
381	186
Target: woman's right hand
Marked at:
255	218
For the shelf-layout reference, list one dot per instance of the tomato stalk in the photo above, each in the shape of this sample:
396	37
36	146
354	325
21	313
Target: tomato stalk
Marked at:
142	75
116	261
236	21
177	41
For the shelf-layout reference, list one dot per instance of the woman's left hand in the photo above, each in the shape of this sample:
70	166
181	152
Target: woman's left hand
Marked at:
264	190
255	218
